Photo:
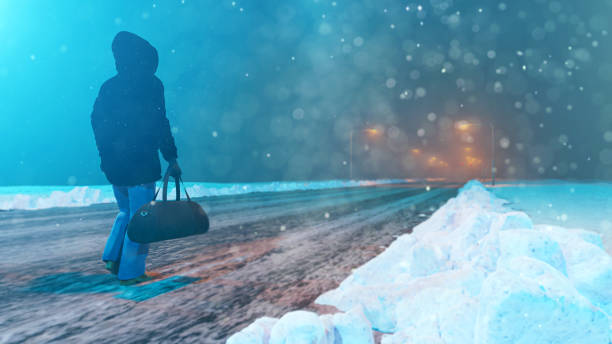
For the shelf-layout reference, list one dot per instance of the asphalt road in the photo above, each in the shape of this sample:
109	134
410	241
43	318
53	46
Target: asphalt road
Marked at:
266	254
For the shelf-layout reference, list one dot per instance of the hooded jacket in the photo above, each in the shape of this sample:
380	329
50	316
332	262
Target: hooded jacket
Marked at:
129	116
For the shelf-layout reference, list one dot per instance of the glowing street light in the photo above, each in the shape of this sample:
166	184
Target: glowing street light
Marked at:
463	125
472	161
435	161
372	132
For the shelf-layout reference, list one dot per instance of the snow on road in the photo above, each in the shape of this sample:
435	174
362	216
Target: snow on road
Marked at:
43	197
475	272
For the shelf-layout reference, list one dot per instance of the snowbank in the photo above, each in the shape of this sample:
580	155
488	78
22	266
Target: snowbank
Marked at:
475	272
42	197
301	327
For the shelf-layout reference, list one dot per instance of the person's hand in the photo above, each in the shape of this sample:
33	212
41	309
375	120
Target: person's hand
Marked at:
174	170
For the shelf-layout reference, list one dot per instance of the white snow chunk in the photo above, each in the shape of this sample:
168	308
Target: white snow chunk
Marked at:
528	301
514	220
375	302
299	327
589	267
352	327
413	337
382	303
534	244
446	313
328	326
256	333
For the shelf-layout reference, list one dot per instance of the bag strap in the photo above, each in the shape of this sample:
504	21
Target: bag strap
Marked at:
184	188
176	187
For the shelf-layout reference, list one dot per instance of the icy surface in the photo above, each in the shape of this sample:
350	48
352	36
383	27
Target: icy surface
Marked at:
42	197
477	272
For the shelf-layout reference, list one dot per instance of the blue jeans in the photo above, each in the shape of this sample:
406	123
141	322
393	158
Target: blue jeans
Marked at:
119	248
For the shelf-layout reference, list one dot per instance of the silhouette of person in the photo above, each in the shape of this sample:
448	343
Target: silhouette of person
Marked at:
130	126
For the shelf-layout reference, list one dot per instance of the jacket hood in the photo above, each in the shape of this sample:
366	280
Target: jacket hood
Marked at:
134	55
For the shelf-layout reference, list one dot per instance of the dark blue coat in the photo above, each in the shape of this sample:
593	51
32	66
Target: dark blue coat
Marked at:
129	117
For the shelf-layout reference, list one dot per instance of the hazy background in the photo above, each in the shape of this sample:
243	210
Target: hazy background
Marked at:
270	90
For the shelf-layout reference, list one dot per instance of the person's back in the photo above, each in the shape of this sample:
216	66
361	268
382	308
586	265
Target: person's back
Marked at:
130	126
129	117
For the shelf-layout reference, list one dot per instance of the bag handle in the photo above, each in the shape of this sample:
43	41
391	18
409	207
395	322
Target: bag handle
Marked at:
176	186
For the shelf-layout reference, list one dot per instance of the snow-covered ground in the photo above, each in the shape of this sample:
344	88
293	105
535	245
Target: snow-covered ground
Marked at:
42	197
477	271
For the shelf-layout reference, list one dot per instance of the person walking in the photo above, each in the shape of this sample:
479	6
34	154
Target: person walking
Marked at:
130	127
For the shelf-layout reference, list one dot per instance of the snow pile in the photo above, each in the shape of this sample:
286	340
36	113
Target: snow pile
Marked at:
301	327
42	197
476	272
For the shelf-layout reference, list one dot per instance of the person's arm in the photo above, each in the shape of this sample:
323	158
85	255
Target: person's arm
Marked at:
166	143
